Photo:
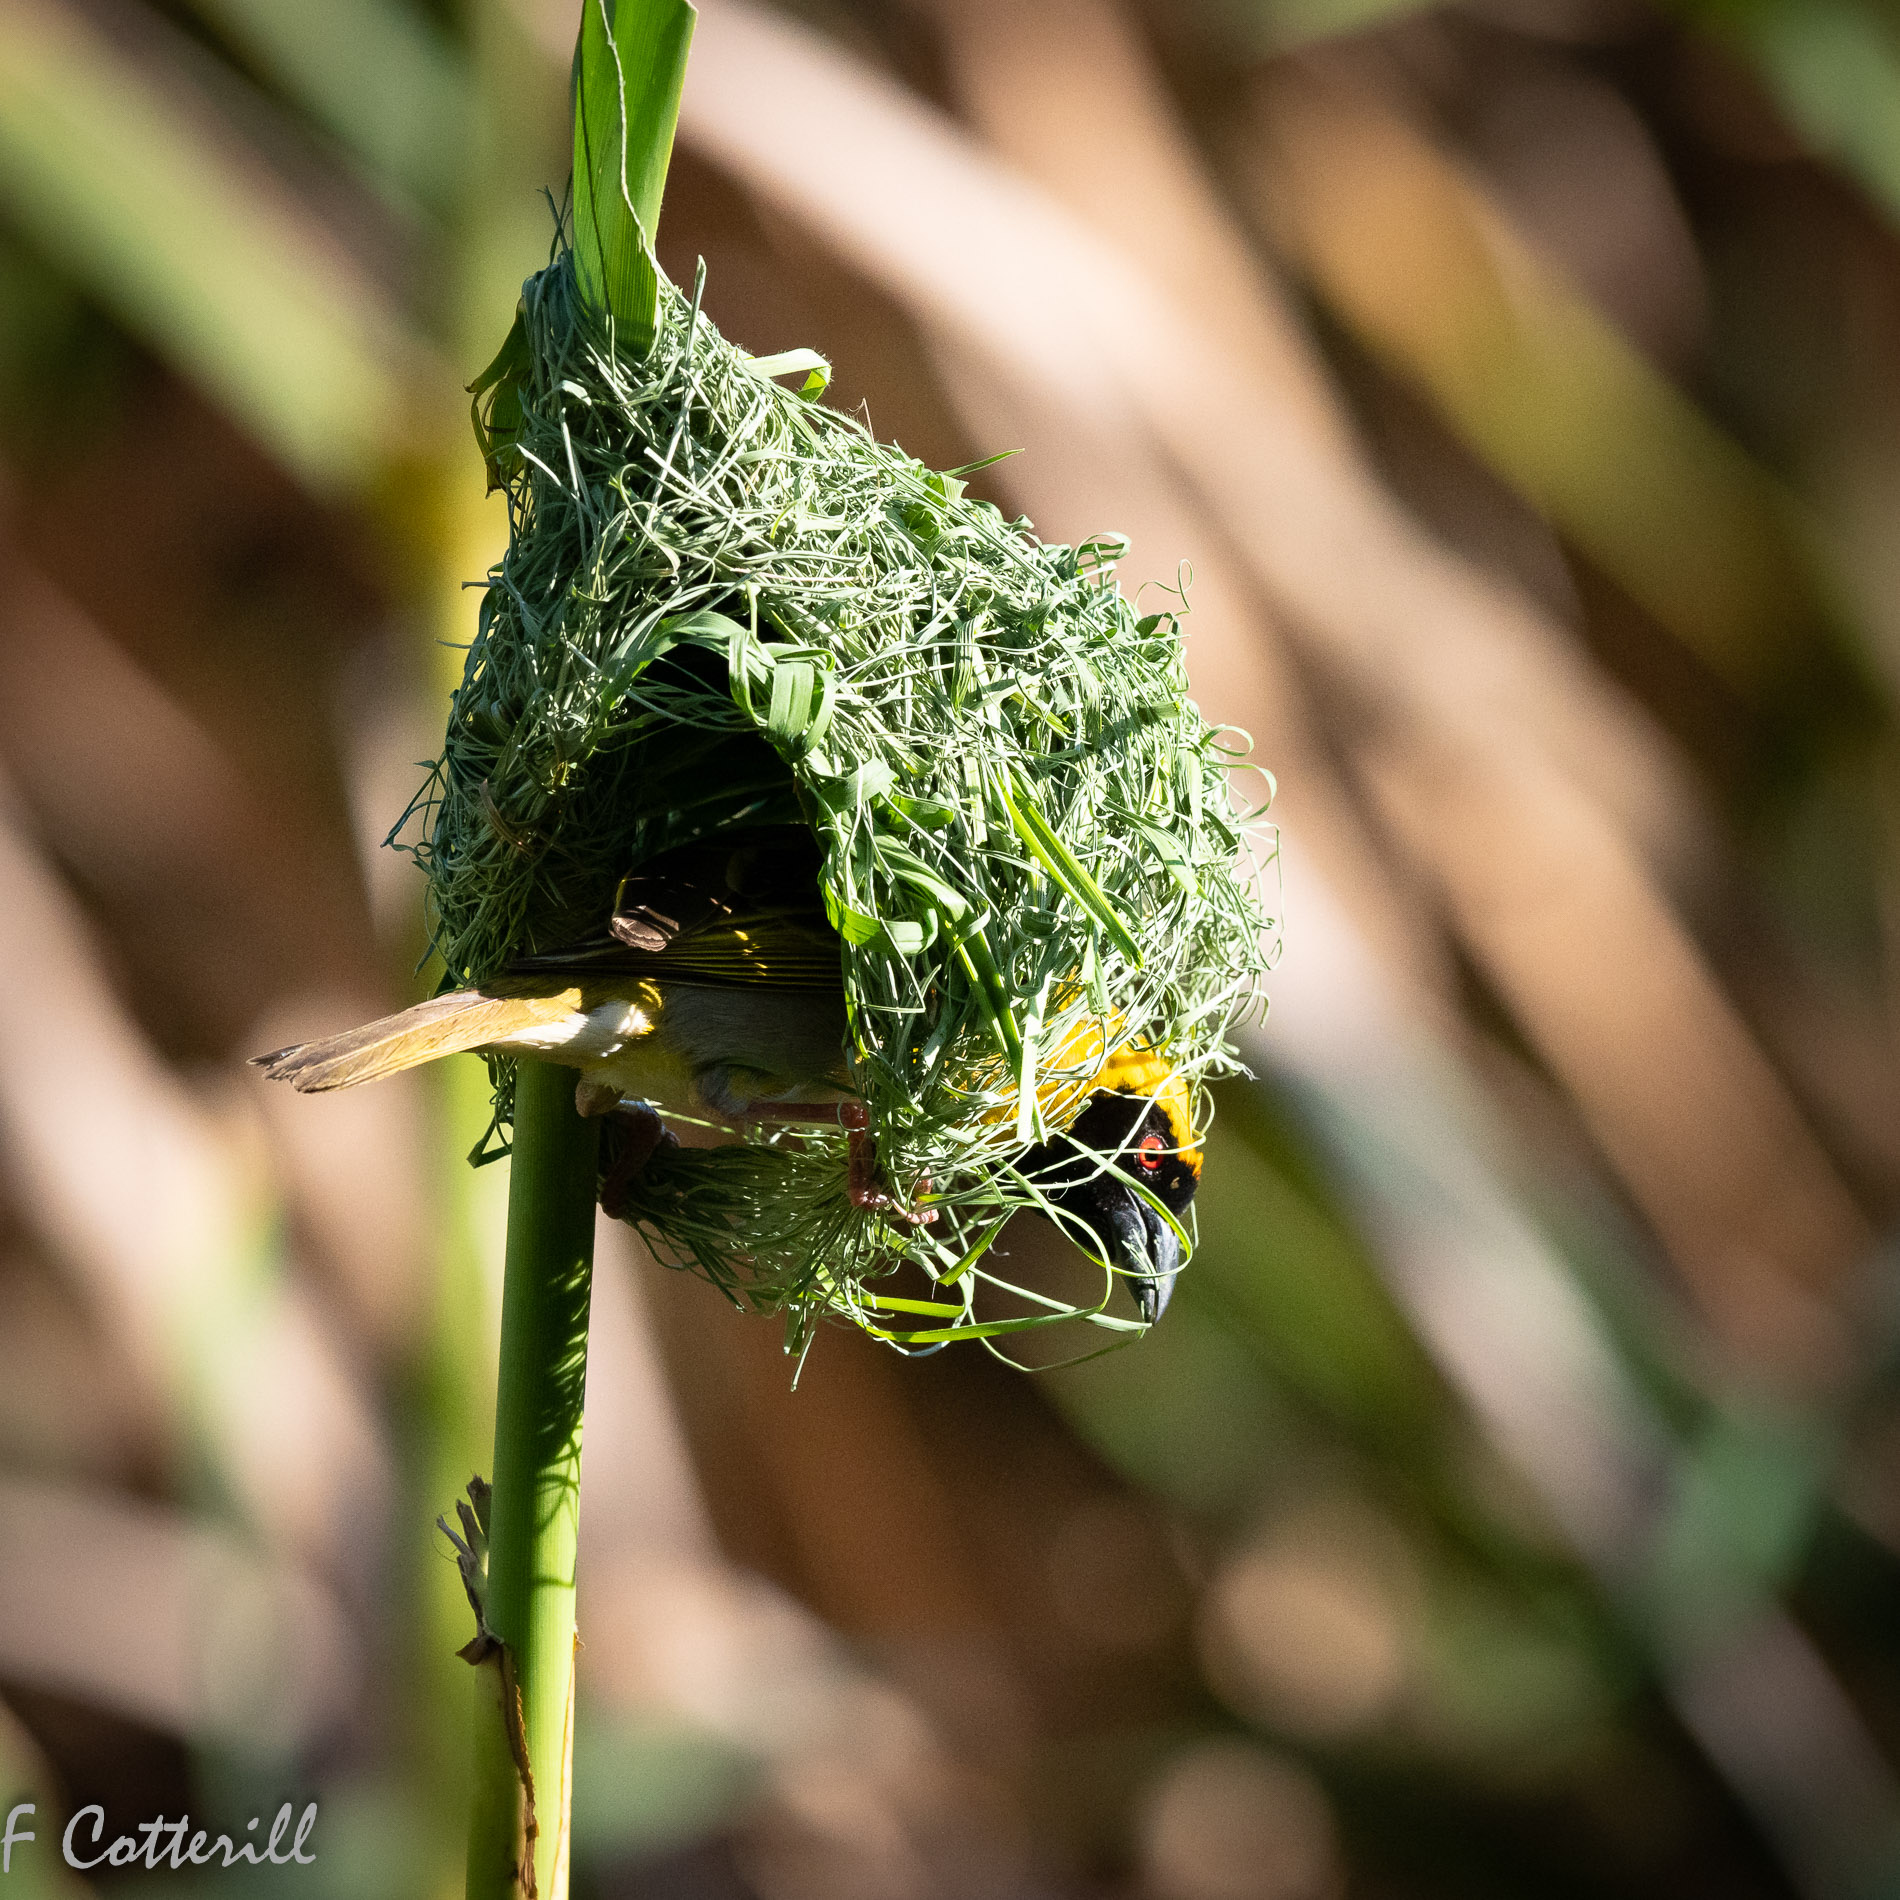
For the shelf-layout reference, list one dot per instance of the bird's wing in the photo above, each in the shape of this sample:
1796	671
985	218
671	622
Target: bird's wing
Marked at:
743	911
756	952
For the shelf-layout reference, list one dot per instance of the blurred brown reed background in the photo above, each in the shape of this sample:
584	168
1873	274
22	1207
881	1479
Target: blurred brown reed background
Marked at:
1510	1503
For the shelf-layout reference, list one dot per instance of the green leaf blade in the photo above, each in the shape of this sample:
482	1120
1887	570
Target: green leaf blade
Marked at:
1070	875
629	71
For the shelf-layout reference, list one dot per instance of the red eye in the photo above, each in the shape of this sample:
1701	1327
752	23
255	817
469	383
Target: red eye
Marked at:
1149	1152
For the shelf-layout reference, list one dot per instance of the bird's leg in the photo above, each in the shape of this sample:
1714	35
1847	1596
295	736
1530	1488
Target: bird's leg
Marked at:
632	1135
864	1179
628	1141
864	1183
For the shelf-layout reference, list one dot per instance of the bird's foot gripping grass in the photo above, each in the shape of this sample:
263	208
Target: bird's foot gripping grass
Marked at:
631	1134
865	1186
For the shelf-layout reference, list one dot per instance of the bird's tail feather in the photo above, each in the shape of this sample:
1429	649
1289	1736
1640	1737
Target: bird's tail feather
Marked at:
443	1026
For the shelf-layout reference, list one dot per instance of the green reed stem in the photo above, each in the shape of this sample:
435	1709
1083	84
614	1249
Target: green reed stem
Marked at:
630	65
535	1516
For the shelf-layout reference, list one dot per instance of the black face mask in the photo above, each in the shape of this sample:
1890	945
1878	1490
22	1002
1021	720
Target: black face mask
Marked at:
1138	1136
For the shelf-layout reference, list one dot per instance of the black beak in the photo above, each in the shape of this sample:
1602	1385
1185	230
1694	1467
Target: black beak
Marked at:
1141	1241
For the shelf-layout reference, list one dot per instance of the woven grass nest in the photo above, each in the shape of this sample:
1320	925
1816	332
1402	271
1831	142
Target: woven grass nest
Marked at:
726	605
